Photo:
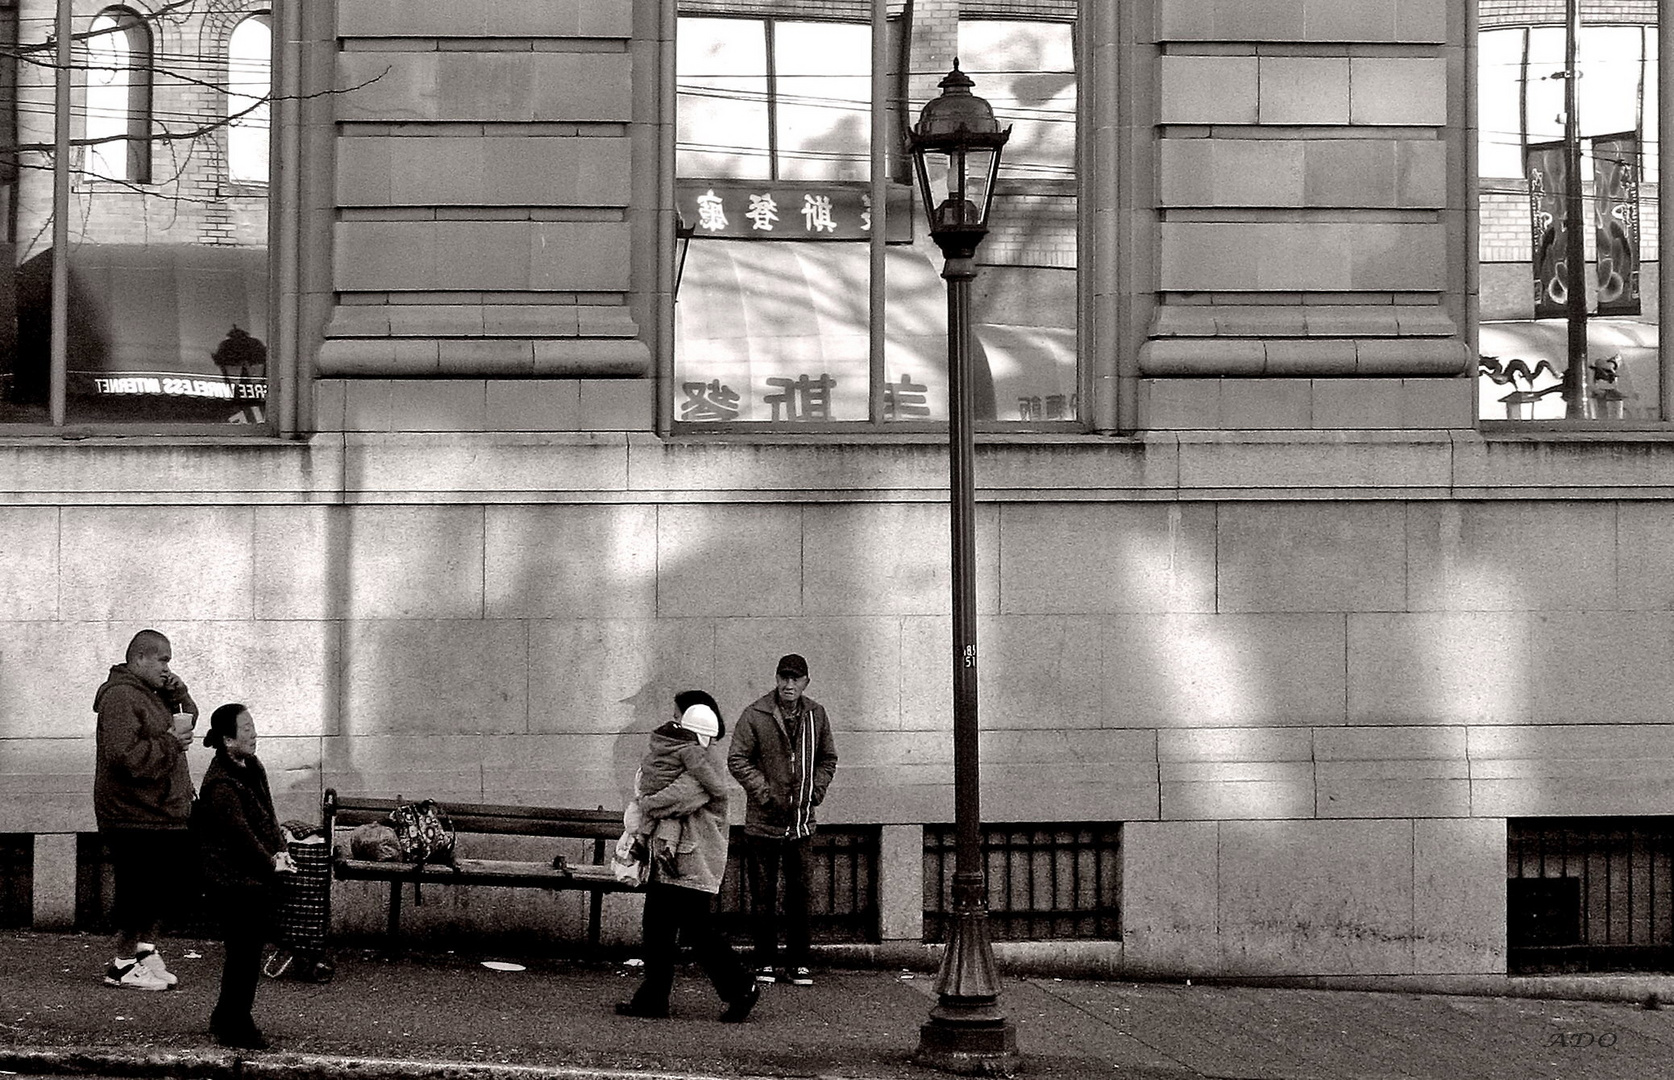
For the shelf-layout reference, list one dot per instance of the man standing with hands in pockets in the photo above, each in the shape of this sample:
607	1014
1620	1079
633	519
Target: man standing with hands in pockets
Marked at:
142	798
783	755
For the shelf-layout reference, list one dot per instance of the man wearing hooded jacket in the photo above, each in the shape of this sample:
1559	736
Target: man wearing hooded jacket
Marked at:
142	799
784	757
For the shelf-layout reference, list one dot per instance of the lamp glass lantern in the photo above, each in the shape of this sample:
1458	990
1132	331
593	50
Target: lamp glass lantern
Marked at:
956	153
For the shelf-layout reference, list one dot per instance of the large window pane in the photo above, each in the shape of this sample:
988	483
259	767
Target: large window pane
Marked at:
1525	280
1025	299
249	84
111	82
774	320
1545	93
1026	70
167	265
1500	102
721	74
1611	72
824	95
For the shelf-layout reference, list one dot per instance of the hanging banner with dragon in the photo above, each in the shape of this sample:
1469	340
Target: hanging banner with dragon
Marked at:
1544	165
1616	222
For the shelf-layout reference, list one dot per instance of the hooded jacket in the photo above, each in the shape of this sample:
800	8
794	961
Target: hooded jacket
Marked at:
238	832
702	858
675	751
784	764
141	780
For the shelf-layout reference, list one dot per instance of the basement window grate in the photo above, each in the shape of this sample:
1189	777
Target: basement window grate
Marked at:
842	891
1045	881
1590	894
17	880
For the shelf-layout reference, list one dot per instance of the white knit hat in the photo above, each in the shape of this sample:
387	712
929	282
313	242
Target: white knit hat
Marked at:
701	720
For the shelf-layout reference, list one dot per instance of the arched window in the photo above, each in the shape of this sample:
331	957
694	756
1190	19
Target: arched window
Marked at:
249	84
119	96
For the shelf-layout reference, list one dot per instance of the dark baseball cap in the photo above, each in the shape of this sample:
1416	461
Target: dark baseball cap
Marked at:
794	665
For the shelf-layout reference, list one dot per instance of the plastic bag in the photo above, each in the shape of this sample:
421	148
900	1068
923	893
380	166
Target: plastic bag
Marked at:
628	862
374	843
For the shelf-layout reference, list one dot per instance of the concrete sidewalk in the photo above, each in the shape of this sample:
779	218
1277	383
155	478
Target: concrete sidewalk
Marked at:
448	1016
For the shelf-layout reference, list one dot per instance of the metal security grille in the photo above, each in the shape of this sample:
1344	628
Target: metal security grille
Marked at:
1044	881
17	880
842	891
1590	894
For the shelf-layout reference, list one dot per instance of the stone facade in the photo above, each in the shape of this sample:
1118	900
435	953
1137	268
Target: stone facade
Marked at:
1306	631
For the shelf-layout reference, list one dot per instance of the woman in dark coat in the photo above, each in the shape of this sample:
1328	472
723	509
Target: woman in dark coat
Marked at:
679	900
243	852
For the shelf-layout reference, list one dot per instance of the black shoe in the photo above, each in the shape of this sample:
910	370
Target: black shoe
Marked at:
240	1038
739	1010
633	1008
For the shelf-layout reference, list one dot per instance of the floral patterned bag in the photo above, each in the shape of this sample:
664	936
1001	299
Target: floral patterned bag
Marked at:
423	832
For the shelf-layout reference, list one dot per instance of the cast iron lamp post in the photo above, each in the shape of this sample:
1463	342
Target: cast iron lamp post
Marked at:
956	153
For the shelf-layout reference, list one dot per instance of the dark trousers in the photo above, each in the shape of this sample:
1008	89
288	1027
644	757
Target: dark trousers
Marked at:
765	859
152	868
246	914
673	915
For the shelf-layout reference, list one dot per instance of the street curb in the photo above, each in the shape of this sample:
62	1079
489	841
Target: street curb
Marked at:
1604	988
232	1065
217	1064
1102	961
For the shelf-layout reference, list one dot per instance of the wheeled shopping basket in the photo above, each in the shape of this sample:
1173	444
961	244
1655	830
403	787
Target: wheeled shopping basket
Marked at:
304	914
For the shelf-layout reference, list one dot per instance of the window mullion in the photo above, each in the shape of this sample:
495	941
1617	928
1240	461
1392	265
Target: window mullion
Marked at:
1665	205
879	178
58	378
772	57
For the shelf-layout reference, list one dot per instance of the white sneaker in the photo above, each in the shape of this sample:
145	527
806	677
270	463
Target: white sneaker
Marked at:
152	961
133	976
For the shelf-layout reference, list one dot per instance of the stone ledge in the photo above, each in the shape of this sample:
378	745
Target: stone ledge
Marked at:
1297	321
481	320
552	18
1200	357
632	465
387	357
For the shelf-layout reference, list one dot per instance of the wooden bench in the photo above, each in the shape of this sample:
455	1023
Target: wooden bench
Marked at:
600	826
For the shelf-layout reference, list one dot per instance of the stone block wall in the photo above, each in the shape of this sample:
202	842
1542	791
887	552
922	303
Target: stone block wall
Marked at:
1308	208
1352	692
483	183
1312	657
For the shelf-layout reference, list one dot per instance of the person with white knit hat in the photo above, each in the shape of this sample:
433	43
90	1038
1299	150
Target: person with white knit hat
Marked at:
679	815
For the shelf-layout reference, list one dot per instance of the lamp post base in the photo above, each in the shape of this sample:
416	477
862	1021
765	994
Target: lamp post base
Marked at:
968	1031
977	1048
